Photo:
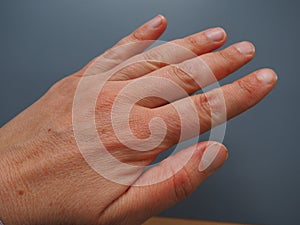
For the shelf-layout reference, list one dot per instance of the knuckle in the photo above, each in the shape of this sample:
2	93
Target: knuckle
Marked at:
212	109
204	107
191	40
139	34
152	61
136	35
181	181
227	60
183	185
246	87
178	71
185	80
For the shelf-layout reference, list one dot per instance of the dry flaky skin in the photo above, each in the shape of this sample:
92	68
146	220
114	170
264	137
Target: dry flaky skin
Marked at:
45	178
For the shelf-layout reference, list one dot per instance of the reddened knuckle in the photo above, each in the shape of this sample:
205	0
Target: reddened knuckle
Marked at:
246	87
212	109
183	185
151	62
202	103
138	35
225	55
176	70
135	35
192	41
204	112
181	74
227	60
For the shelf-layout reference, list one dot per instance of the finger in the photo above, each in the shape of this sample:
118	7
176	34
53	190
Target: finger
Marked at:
129	46
195	74
218	105
205	159
173	52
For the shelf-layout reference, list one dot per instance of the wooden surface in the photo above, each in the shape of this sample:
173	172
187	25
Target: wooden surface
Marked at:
170	221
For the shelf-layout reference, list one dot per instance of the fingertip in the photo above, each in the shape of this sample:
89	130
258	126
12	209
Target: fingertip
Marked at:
225	34
217	34
246	48
155	23
267	76
158	22
223	31
214	155
163	18
152	29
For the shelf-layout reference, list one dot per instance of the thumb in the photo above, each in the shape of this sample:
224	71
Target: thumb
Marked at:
146	201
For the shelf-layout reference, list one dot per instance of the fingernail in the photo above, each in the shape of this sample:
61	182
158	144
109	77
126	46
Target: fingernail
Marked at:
216	34
267	76
156	22
245	48
211	159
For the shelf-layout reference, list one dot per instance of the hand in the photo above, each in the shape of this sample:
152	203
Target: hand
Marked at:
56	170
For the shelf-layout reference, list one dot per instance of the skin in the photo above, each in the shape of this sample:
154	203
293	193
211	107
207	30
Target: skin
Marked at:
45	178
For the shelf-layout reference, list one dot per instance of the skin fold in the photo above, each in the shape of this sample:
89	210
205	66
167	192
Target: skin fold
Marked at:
45	178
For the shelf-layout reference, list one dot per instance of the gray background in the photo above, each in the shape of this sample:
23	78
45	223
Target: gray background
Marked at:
43	41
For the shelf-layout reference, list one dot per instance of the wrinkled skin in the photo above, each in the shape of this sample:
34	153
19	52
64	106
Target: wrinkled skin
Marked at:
45	178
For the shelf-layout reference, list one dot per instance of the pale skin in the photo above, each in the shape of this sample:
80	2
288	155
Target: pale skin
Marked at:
44	177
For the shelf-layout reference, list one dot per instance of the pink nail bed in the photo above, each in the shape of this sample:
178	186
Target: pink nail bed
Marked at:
266	76
156	22
216	34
